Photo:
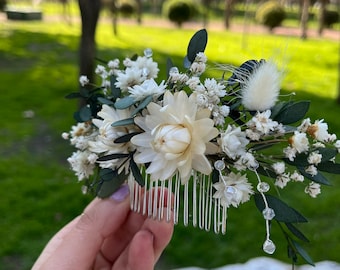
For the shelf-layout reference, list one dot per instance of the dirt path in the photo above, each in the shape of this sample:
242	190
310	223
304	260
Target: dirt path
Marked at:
332	34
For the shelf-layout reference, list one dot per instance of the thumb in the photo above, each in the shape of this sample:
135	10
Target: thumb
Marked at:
80	244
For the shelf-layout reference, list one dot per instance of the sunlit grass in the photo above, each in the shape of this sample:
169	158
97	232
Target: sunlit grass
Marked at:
38	194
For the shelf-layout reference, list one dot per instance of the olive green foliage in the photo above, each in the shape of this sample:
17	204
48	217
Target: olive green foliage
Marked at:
330	18
179	11
270	14
127	8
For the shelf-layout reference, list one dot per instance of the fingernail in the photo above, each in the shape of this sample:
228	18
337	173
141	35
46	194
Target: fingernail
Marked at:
121	193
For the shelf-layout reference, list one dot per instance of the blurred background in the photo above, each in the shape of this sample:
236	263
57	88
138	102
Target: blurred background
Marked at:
45	45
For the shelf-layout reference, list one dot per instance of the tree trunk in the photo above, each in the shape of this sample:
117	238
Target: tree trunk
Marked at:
304	18
321	21
89	11
227	13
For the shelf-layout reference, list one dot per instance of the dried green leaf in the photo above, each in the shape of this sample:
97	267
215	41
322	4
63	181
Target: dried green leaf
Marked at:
296	232
292	112
283	212
73	95
113	156
124	102
142	105
85	114
303	253
329	167
123	122
126	138
197	44
110	182
105	101
115	91
318	178
136	173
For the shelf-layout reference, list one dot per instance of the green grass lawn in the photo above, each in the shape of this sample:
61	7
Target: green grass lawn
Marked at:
39	194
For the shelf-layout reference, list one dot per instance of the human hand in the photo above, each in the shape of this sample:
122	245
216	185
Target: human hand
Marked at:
108	235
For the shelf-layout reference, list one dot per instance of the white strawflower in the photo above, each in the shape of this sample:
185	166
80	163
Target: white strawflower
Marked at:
299	141
313	189
262	122
176	138
312	170
201	57
129	78
83	80
314	158
104	143
304	125
233	189
290	153
260	89
319	130
233	141
279	167
282	180
80	164
197	68
296	176
147	88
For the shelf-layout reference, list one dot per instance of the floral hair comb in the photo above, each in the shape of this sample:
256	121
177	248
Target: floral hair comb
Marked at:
203	144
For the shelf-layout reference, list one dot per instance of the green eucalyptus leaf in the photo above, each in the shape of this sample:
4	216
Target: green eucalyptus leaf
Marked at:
136	173
215	176
197	44
110	182
283	212
107	174
105	101
73	95
329	167
327	153
299	161
126	138
292	253
124	102
169	65
303	253
277	108
123	122
292	112
142	105
318	178
84	92
85	114
113	156
186	63
296	232
115	91
266	172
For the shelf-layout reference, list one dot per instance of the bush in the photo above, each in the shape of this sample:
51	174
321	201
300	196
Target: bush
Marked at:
127	8
331	17
270	14
3	4
179	11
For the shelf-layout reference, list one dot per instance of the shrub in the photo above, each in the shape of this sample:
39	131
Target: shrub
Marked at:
270	14
127	8
3	4
179	11
331	17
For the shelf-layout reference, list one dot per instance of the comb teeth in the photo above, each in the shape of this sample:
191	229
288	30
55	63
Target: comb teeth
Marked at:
191	203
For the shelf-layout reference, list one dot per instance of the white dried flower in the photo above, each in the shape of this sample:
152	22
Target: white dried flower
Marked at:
83	80
299	141
233	142
314	158
279	167
313	189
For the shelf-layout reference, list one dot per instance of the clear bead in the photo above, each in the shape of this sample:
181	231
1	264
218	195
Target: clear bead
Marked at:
174	70
148	53
263	187
219	165
229	191
268	213
269	247
145	72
